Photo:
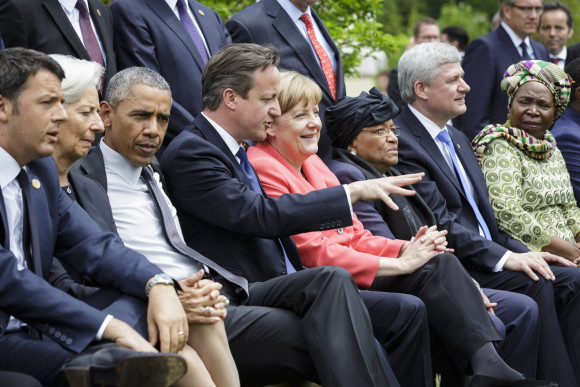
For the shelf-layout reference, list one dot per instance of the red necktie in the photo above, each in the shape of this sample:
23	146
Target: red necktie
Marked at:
555	60
322	55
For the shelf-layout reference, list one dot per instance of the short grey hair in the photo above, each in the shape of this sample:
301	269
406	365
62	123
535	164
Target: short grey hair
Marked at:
119	87
79	74
422	63
505	2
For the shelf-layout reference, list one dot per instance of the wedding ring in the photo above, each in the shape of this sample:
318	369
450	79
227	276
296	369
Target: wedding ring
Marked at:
181	333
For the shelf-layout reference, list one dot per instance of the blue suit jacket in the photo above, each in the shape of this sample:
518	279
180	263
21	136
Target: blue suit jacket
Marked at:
65	230
149	34
443	193
566	130
486	60
266	22
225	220
42	25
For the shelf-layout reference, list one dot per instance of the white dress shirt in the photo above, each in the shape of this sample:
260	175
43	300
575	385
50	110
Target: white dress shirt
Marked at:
73	15
562	57
135	213
517	41
295	14
433	129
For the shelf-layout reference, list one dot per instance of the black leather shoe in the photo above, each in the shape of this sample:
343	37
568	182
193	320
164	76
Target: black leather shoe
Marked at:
488	381
113	365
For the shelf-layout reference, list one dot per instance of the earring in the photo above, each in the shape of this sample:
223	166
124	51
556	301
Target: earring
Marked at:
353	151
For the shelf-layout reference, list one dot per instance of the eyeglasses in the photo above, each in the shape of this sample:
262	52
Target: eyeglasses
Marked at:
528	9
384	131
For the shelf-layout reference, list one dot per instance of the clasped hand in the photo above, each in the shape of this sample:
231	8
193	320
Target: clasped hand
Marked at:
428	243
202	300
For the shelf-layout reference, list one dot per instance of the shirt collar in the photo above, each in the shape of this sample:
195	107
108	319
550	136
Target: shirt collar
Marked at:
516	40
69	5
562	55
10	168
173	3
228	138
292	11
429	125
117	163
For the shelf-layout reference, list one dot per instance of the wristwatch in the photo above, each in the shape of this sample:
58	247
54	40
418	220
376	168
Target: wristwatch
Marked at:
159	279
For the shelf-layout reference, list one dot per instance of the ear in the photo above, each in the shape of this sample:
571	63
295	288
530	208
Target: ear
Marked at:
570	33
106	112
577	94
507	11
230	99
5	108
421	89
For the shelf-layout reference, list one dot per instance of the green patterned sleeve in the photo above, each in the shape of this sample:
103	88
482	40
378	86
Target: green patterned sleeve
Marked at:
504	168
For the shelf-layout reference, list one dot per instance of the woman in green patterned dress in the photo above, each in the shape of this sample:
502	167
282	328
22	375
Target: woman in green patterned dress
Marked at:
528	183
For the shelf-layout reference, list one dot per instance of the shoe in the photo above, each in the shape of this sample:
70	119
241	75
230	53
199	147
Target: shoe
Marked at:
113	365
488	381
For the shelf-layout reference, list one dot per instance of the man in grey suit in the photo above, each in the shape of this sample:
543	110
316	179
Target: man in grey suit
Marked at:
280	23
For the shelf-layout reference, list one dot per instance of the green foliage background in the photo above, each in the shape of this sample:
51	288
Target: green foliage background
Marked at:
360	27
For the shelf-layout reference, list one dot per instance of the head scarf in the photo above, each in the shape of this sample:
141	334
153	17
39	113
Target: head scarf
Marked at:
548	74
539	149
345	120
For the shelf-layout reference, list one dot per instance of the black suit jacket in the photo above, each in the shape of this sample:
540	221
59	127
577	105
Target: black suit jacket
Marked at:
266	22
443	193
225	220
573	53
42	25
148	33
485	62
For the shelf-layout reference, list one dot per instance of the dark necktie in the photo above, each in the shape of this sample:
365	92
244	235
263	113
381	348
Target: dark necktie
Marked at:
325	62
89	38
191	30
555	60
30	243
525	55
444	137
256	187
174	239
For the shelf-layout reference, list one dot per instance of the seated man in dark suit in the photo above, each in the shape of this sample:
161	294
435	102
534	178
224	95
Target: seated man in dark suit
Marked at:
264	333
226	216
430	79
566	130
42	327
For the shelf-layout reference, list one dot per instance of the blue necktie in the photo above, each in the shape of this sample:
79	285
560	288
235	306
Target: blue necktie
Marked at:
191	30
525	55
256	187
444	137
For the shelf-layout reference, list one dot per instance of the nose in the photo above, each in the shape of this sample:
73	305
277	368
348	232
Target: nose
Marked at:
464	87
97	125
275	109
60	114
151	128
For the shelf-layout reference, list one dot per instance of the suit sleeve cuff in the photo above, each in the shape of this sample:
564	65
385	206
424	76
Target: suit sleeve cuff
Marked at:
347	192
499	265
104	326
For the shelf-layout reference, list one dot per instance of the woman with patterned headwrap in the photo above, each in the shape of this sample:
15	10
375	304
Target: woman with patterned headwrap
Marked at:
528	183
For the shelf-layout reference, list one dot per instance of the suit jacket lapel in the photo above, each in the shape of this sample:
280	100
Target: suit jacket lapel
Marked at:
92	165
430	147
168	17
206	26
508	45
5	241
36	196
290	33
55	10
101	31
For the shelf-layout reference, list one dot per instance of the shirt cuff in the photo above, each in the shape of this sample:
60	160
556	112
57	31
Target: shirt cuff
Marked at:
104	326
499	266
347	191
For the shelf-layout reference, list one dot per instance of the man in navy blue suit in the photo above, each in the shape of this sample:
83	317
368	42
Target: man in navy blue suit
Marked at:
38	221
488	57
278	22
566	130
153	33
431	81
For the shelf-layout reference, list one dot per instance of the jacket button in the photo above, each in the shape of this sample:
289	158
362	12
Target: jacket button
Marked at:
63	338
51	331
57	334
340	231
69	341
